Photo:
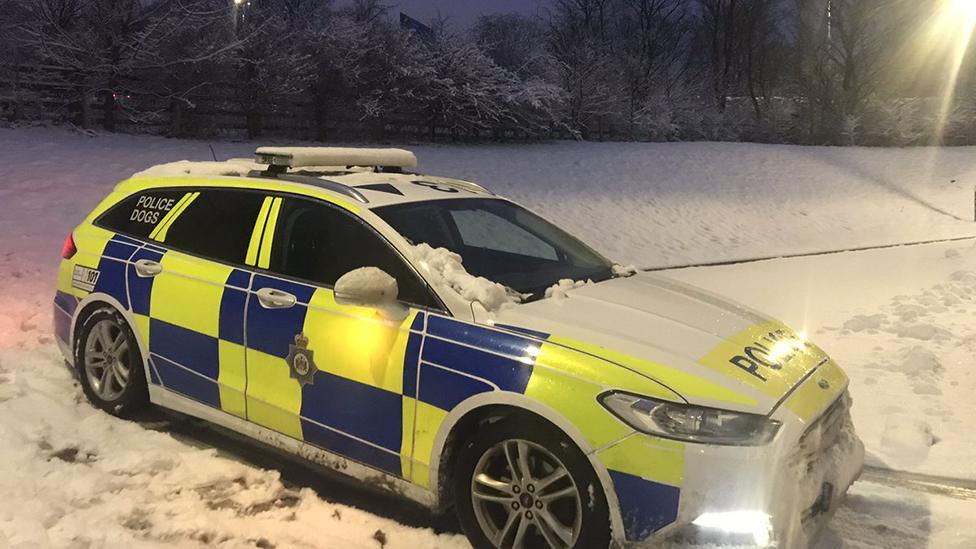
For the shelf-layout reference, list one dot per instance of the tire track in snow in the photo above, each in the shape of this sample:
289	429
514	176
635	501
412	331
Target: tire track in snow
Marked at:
917	482
807	254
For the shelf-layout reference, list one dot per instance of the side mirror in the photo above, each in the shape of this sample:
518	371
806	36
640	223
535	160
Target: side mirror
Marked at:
366	287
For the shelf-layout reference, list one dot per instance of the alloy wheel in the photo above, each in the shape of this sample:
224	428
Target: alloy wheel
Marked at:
524	497
107	360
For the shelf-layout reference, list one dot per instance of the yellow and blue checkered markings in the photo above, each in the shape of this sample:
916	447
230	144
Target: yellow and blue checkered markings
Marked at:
106	253
458	361
353	406
383	388
112	267
646	474
191	317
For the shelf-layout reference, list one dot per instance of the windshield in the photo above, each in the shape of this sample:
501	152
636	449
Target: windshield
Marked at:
500	241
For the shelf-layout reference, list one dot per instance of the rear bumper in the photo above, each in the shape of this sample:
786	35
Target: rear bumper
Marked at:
65	306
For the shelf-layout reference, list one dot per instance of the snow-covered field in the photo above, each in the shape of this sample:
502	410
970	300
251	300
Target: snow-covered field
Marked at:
902	321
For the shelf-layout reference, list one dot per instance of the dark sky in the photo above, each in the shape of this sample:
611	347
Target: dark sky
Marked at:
462	13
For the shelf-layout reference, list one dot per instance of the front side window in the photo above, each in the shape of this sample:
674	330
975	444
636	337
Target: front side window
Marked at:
500	241
216	224
320	243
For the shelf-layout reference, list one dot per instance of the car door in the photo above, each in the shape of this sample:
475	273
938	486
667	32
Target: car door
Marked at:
188	291
335	376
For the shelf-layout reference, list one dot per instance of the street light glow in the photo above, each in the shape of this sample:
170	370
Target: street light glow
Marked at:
949	34
962	9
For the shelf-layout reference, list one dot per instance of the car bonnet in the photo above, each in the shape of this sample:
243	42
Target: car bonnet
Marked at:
707	349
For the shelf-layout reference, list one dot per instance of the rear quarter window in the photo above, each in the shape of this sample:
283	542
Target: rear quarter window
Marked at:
211	223
140	213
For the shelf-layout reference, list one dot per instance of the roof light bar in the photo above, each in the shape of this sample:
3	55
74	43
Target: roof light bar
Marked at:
304	157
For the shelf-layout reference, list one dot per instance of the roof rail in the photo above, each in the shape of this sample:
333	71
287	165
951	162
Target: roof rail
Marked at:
280	159
326	184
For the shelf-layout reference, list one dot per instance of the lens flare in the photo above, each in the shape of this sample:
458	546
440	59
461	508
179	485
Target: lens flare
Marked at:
950	33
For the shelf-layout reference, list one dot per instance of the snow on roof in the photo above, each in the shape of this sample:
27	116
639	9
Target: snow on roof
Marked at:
234	167
299	157
379	188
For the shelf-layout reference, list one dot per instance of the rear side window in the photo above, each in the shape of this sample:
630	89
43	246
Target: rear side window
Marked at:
140	214
216	224
319	243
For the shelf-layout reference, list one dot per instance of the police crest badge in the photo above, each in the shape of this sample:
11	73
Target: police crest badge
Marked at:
301	365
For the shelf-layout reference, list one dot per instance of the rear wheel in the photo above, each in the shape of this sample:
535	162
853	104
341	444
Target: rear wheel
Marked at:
522	484
110	365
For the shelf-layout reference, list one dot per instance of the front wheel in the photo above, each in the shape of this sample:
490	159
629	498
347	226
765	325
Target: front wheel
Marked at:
110	365
523	484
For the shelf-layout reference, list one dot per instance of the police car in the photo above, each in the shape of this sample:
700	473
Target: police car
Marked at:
284	298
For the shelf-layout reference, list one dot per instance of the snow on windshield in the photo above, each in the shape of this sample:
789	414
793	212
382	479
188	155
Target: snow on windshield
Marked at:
623	271
445	268
561	288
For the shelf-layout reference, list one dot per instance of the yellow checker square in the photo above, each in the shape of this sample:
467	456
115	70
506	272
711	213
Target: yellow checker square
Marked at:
428	421
274	398
142	328
360	343
649	458
90	242
232	380
406	442
65	271
188	293
577	398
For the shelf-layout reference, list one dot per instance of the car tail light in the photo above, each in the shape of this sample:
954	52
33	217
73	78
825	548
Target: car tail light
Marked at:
69	249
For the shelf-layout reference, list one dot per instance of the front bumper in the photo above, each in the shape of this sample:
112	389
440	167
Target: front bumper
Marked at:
778	495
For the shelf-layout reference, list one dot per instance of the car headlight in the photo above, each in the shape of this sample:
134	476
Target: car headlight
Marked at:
690	423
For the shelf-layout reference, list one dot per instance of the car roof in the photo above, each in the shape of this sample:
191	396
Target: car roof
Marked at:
352	187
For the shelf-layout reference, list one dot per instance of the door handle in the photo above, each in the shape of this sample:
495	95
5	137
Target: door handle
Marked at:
275	299
147	269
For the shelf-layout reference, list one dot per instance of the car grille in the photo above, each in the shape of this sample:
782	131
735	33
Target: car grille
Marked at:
821	435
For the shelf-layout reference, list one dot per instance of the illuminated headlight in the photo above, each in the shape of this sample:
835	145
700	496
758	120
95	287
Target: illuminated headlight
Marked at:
690	423
755	524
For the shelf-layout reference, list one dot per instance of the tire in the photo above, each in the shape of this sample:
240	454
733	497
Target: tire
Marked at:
487	495
118	386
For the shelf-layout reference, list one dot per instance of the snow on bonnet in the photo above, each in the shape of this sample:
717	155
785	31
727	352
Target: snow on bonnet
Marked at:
445	268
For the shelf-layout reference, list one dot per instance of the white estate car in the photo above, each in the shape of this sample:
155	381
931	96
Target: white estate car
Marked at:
328	311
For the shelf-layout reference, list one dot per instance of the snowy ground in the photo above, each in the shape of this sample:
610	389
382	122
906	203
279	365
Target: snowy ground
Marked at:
900	320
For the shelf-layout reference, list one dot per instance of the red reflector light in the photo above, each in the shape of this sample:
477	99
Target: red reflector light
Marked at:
69	250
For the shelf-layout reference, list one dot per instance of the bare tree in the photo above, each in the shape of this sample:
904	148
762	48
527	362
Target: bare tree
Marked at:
721	24
579	41
761	60
845	48
514	43
652	49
